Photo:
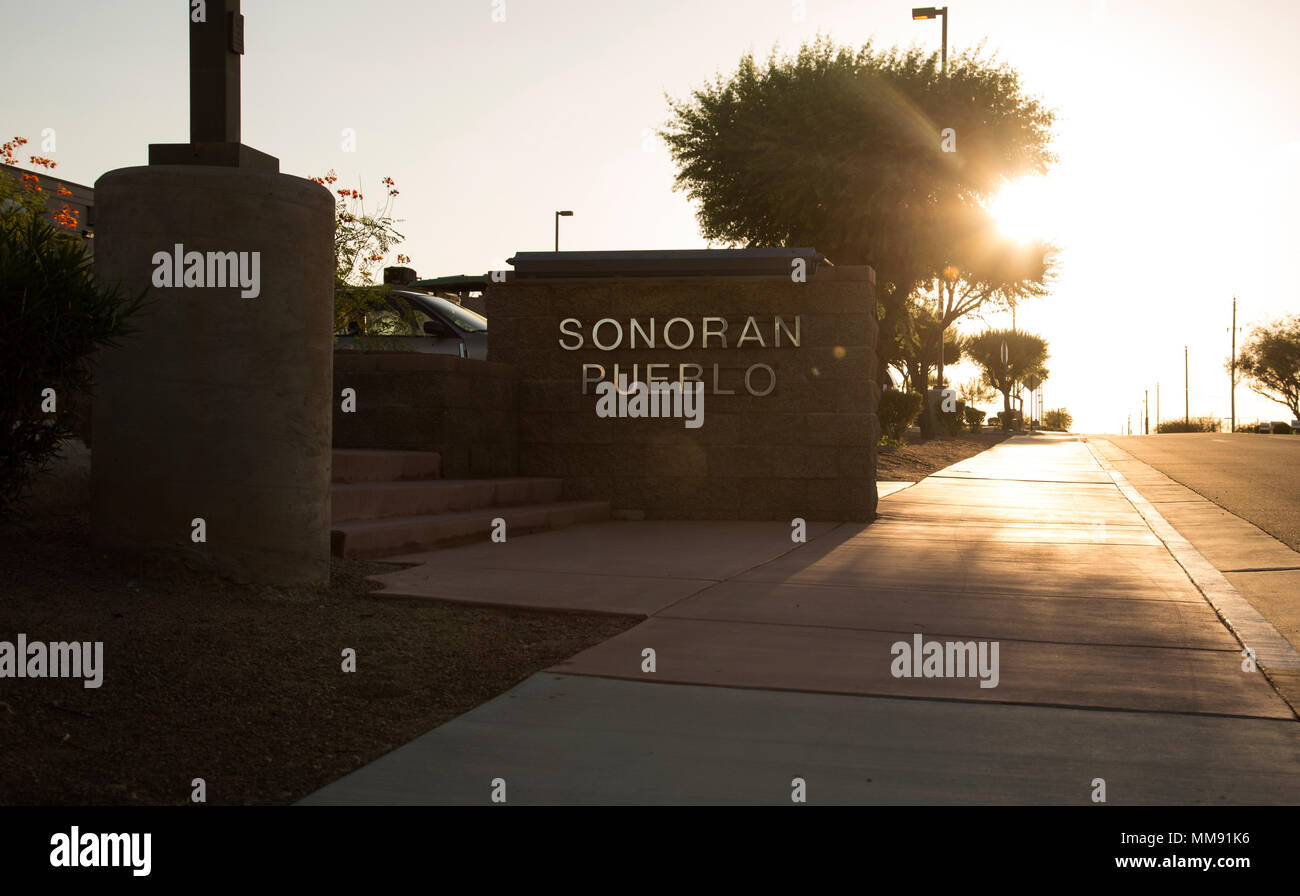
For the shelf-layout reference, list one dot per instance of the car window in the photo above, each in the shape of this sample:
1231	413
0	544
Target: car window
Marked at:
458	316
419	313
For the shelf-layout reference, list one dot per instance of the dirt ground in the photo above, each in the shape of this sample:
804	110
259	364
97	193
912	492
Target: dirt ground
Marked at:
240	685
914	462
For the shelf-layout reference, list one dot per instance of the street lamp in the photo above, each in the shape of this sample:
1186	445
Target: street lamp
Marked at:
935	12
558	216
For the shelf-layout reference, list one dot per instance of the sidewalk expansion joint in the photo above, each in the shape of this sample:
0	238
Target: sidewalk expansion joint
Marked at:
965	701
932	633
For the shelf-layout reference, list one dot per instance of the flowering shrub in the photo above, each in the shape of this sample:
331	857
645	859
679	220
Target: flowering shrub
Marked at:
362	241
28	193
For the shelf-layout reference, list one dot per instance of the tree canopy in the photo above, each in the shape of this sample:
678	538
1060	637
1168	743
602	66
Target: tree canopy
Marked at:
873	157
1025	360
1270	362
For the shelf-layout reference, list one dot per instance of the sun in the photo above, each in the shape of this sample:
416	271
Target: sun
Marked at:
1022	209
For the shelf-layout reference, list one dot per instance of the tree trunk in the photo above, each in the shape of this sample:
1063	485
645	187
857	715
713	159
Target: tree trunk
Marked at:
927	421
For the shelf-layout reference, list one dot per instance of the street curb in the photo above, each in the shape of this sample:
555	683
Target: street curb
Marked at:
1251	628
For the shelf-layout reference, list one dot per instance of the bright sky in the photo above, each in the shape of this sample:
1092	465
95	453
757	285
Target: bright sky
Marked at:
1177	186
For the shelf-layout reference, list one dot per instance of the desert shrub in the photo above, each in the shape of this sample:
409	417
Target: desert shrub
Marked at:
1010	420
1193	424
897	411
950	422
1275	427
1059	420
974	417
55	316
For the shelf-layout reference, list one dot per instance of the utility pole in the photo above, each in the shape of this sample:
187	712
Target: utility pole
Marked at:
1146	415
1187	417
1233	425
1157	406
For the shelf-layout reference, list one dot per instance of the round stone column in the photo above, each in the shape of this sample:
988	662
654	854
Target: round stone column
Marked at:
218	407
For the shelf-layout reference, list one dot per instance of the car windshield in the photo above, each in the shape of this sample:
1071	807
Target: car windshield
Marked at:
460	317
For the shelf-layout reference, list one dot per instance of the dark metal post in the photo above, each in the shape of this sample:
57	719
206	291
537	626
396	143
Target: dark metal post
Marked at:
943	58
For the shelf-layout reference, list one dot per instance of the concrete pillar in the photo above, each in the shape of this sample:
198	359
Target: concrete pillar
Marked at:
218	407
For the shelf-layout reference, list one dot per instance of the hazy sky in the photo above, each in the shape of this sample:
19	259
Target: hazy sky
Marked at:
1177	186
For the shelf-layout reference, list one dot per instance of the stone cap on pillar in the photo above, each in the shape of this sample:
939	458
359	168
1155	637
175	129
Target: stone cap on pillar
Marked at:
224	155
216	43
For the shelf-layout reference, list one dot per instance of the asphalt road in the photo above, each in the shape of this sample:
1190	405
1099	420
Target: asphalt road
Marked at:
1257	477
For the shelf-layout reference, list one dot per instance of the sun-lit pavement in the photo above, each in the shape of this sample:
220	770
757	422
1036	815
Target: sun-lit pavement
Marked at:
773	661
1256	477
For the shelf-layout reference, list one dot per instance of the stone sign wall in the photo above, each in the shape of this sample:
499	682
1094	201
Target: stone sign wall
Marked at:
788	422
462	408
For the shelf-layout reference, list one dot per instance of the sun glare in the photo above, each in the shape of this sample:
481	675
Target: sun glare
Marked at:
1021	209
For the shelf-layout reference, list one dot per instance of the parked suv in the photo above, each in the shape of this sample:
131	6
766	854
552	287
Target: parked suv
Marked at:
412	319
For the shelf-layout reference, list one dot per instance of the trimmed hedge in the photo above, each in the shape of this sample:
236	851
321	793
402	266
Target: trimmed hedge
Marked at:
897	412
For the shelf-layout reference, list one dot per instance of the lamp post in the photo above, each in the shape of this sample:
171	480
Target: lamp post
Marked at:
935	12
920	13
558	215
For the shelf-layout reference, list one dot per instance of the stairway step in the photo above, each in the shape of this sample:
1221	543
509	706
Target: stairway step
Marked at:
365	465
408	535
378	500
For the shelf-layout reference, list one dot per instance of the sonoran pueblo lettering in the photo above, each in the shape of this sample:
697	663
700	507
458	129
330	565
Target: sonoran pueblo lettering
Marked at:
682	334
206	270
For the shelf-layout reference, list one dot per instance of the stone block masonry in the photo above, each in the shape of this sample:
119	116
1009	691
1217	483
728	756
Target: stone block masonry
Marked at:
789	406
463	409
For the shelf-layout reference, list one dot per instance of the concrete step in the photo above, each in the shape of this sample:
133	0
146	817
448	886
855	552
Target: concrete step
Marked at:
363	465
406	535
378	500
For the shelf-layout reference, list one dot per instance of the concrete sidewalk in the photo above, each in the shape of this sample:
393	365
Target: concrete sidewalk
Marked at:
774	660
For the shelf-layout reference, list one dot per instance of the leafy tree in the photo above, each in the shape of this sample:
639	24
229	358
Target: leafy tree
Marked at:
1026	355
977	268
975	391
844	149
1270	362
912	354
